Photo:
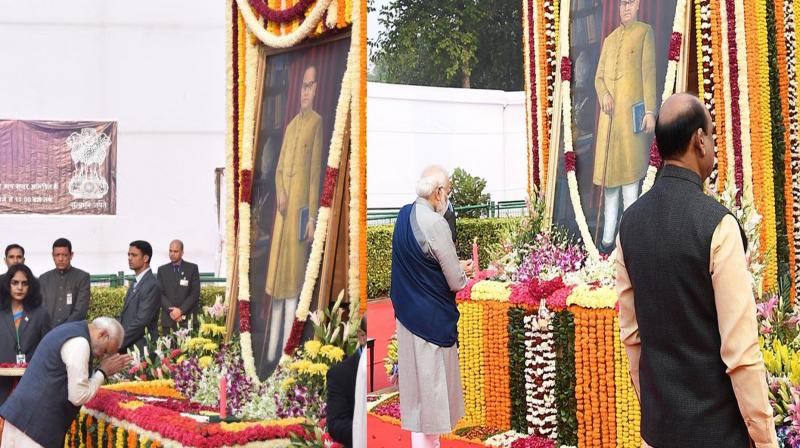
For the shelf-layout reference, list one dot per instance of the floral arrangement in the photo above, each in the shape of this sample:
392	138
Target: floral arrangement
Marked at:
314	437
390	362
504	440
564	389
303	387
627	403
490	290
540	368
496	381
551	256
470	359
590	297
594	376
516	369
122	419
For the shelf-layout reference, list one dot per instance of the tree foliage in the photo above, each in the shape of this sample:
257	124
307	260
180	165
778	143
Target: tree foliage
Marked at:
450	43
468	190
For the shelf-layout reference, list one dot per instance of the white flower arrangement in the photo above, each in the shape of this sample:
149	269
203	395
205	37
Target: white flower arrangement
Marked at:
540	364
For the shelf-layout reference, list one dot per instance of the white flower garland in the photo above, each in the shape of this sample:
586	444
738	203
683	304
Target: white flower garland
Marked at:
354	272
230	225
540	363
794	128
308	26
504	440
169	443
678	26
726	90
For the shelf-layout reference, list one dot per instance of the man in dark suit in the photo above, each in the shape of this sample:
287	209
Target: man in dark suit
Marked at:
179	281
341	401
66	289
140	310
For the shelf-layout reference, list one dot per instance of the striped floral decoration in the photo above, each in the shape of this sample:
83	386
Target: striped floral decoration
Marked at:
470	359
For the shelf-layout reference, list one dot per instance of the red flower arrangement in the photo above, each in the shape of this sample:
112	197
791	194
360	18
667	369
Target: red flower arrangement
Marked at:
12	365
247	185
539	289
655	156
281	16
570	161
675	46
533	442
170	424
244	316
294	337
736	118
566	69
331	174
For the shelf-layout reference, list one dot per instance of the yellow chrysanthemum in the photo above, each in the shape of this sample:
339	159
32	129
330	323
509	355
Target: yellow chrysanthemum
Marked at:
318	369
205	361
195	343
210	347
312	348
287	383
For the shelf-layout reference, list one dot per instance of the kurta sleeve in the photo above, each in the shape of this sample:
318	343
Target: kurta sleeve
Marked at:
649	71
315	171
599	77
738	330
628	325
279	186
81	388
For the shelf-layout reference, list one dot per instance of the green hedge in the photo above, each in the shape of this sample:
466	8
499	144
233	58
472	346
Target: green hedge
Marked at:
108	301
379	248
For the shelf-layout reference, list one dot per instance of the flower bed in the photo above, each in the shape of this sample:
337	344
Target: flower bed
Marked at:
137	414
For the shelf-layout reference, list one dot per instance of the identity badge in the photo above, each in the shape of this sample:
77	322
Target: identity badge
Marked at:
184	282
69	298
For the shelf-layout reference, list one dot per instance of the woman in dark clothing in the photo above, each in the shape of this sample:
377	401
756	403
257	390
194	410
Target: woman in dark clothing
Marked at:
23	320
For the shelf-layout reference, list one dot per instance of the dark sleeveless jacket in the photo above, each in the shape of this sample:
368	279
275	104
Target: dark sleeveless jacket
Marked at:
39	406
687	399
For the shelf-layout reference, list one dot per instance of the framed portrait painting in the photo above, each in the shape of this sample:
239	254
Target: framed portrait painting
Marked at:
620	52
299	94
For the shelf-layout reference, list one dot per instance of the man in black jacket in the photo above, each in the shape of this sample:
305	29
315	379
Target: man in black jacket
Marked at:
179	282
342	392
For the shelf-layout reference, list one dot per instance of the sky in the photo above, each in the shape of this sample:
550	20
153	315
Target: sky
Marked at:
373	27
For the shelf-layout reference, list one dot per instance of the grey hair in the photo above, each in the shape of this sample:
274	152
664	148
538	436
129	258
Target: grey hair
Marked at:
432	178
114	328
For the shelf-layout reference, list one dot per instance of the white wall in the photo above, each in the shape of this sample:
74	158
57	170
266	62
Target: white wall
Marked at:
156	67
410	127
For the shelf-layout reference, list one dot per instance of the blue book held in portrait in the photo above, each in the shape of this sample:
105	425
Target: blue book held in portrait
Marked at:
637	113
303	223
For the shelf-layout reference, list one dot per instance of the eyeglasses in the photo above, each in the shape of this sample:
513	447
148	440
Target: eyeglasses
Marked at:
626	3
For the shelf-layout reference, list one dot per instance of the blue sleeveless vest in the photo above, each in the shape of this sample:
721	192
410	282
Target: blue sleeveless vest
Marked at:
421	297
39	406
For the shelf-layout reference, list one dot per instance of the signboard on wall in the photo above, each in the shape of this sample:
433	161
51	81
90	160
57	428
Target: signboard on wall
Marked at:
58	167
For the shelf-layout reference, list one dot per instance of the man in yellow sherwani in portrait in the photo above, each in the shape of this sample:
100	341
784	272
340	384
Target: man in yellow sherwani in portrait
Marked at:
297	189
626	89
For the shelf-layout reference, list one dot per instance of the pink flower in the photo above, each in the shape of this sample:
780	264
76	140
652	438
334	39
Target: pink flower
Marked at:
765	309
